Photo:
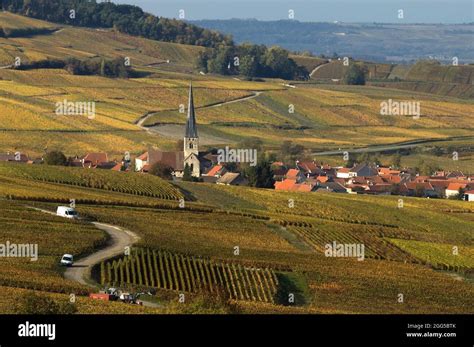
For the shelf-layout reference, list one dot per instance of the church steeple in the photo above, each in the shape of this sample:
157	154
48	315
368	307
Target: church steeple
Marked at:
191	129
191	139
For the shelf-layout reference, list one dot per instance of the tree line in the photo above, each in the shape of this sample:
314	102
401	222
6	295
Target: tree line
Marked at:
124	18
251	61
101	67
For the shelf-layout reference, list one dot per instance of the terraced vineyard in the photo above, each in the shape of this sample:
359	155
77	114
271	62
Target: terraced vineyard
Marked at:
128	183
152	268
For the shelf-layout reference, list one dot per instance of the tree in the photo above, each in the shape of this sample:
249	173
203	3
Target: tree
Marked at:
248	66
188	173
424	168
290	151
161	170
397	161
32	303
354	75
260	175
55	158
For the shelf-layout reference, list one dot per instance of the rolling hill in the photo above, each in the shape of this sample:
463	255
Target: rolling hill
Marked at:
191	248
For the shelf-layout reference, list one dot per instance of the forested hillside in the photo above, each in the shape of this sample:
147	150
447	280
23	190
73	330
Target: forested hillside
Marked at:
125	18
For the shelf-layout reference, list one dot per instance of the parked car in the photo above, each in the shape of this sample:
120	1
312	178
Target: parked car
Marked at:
67	212
67	260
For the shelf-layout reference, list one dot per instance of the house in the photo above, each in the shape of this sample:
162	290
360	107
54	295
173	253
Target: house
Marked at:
216	171
333	187
292	185
421	189
380	189
453	189
198	162
387	171
279	171
455	174
363	169
309	168
322	179
295	174
440	186
469	195
14	157
232	179
94	159
343	172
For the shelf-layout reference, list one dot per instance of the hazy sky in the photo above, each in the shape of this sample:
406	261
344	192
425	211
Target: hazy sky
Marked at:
418	11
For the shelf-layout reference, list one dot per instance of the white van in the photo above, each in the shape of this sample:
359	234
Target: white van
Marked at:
67	260
67	212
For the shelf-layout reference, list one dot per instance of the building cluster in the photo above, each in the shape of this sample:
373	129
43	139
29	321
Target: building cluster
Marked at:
363	178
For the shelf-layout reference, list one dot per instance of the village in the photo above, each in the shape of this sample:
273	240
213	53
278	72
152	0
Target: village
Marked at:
304	176
191	164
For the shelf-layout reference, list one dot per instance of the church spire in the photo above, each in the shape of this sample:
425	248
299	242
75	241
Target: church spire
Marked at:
191	129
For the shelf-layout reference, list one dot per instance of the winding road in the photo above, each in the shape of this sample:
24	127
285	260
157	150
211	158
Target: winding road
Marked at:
144	118
119	239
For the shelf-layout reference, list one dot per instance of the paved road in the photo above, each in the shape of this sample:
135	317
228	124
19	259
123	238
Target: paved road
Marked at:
389	147
317	68
119	239
142	119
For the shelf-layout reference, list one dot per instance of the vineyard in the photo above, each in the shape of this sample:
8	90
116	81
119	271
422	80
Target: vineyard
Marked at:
128	183
54	236
375	247
151	268
440	255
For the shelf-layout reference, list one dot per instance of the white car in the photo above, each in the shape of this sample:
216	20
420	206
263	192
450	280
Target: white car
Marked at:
67	260
67	212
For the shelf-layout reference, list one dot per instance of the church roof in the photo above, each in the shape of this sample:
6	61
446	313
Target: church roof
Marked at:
191	129
173	159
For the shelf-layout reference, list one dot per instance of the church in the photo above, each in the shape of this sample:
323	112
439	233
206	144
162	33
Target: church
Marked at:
198	162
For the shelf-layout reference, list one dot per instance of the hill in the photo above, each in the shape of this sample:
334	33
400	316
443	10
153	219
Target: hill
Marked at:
281	248
423	76
383	43
124	18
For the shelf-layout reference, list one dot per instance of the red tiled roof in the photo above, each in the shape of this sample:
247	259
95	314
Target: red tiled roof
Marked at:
322	179
387	171
96	158
344	170
175	160
214	170
469	192
292	173
117	167
392	178
440	183
291	185
415	185
144	156
339	180
456	186
308	166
